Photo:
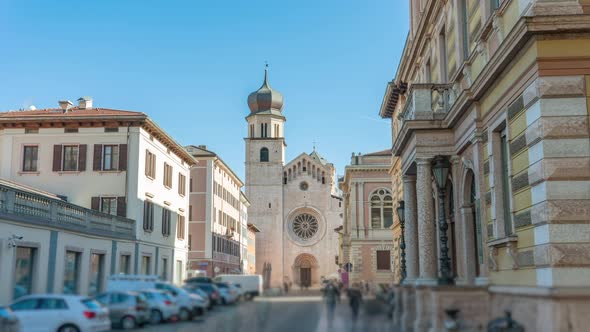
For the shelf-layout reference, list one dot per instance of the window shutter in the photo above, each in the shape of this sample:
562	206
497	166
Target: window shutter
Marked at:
57	158
82	157
95	203
121	207
97	161
122	157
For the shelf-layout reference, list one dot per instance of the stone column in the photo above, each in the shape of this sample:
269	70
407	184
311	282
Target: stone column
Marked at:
426	224
469	255
411	231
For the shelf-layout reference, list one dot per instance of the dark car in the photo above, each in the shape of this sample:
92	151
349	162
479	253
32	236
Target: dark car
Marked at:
8	321
200	280
209	288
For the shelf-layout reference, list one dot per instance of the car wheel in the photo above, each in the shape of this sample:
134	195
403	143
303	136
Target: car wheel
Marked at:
155	317
68	328
128	323
184	314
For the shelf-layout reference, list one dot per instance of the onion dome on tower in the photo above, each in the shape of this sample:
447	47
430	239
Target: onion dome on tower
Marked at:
265	100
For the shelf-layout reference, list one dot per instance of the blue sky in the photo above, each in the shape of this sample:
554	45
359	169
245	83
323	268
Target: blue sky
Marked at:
190	65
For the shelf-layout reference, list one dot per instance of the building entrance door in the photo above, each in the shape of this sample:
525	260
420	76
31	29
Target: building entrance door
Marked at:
305	276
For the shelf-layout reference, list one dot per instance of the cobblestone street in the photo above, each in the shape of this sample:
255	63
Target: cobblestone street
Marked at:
284	314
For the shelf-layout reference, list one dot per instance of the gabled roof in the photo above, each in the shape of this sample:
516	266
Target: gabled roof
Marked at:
199	151
315	155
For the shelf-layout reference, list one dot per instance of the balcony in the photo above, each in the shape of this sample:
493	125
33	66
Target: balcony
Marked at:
32	208
382	234
427	101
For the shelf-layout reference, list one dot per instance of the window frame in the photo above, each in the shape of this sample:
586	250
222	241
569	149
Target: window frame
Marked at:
109	198
114	164
64	155
148	216
166	218
377	260
76	270
150	165
168	170
36	159
264	155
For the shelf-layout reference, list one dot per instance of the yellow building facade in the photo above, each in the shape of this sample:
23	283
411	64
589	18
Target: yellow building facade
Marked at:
499	91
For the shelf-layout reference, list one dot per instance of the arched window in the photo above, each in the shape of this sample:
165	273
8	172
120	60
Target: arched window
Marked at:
381	209
264	155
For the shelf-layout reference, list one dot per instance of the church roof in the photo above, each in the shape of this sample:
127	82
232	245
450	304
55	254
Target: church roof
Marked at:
315	155
266	100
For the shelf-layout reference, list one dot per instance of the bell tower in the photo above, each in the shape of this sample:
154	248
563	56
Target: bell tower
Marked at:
265	158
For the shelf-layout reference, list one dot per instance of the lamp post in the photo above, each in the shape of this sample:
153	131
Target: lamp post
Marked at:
402	245
441	172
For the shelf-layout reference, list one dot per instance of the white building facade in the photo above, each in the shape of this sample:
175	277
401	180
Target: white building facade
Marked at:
118	162
295	205
51	246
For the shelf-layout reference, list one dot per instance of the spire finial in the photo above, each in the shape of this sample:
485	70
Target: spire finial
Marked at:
314	145
265	73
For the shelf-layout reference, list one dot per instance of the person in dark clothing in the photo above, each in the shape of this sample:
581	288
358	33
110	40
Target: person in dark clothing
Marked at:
332	295
355	297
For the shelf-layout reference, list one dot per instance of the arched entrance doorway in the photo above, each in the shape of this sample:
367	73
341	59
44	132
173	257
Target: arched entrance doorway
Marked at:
304	270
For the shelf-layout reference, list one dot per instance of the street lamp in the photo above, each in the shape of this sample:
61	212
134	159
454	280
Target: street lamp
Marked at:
441	172
402	245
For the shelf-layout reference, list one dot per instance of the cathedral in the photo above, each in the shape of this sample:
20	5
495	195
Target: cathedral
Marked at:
296	205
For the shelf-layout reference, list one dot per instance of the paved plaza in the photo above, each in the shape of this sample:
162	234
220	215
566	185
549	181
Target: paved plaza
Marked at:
295	313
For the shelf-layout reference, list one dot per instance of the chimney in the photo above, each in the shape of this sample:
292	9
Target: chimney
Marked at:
65	104
85	103
204	147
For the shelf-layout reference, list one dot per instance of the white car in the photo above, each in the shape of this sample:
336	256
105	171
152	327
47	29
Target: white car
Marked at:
162	305
60	313
228	294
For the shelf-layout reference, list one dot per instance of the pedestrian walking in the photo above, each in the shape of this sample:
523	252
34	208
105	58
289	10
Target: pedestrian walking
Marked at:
331	296
355	298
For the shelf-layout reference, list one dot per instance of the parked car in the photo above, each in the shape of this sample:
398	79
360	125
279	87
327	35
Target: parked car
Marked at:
251	284
188	305
211	289
8	320
161	304
201	293
126	309
227	294
238	290
205	280
60	313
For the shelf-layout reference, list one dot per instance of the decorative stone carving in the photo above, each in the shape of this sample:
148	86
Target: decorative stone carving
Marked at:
513	253
493	252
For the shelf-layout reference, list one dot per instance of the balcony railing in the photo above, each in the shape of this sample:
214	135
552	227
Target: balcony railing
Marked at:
428	101
37	209
381	234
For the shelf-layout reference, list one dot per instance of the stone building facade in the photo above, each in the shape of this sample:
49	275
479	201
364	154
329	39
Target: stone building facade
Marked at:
296	205
500	90
369	219
217	216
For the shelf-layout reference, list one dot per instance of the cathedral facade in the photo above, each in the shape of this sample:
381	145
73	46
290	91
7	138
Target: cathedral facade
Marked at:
296	205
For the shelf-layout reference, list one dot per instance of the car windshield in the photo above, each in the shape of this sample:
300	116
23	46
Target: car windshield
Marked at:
91	304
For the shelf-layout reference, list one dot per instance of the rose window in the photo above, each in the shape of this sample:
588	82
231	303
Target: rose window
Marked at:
305	226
